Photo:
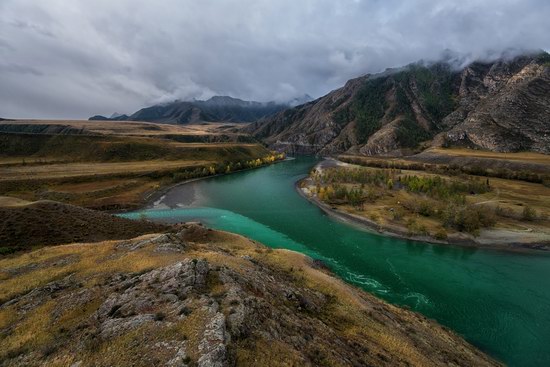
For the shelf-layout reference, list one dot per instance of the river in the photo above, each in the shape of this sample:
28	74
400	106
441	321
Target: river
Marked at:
497	300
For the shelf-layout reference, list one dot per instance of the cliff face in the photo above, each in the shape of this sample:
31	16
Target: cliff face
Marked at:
197	297
501	106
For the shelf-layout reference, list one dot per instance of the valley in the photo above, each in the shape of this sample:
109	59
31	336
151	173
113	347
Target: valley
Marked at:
495	297
115	165
274	183
417	160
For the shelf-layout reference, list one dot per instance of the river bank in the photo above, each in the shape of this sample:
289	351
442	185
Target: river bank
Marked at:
185	197
498	239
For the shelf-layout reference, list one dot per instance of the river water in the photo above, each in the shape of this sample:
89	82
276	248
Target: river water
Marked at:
499	301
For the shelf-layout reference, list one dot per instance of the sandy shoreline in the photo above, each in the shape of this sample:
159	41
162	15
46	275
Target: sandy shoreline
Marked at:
374	227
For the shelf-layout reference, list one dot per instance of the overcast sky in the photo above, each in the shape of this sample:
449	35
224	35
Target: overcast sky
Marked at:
73	59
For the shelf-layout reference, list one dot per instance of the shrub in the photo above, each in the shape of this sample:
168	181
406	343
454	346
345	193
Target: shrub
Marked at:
423	207
469	218
441	234
184	311
397	213
505	212
415	229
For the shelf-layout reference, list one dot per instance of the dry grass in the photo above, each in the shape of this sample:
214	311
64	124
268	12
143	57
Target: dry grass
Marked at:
32	333
132	128
6	201
72	170
262	353
93	259
528	157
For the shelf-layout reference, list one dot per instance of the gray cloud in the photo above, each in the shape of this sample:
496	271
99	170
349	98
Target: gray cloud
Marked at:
62	59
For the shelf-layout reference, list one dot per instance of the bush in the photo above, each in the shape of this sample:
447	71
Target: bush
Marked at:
505	212
423	207
441	234
416	229
469	218
397	213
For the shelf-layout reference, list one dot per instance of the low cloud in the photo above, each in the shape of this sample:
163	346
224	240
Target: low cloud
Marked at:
74	59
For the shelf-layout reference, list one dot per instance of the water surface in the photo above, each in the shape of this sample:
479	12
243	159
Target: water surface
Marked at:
499	301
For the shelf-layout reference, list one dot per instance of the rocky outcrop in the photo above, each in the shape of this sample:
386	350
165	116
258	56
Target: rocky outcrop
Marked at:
501	106
198	297
513	115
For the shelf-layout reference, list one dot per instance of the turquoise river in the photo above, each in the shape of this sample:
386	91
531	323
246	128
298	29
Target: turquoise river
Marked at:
497	300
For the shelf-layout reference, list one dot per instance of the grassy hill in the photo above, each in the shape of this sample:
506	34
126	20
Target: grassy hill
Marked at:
25	225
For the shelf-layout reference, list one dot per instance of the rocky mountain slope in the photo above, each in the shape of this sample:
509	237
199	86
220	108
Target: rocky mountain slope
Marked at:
501	106
197	297
216	109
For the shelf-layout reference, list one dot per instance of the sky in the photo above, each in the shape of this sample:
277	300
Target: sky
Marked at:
74	59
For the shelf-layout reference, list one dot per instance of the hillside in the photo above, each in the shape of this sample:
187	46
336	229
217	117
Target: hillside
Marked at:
24	225
216	109
197	297
501	106
115	165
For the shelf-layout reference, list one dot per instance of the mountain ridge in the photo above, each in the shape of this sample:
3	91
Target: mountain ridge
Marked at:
500	106
215	109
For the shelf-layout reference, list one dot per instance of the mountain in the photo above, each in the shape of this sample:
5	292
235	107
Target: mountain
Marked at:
501	106
114	117
216	109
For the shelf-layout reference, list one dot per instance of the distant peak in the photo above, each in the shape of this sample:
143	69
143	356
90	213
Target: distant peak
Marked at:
224	99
